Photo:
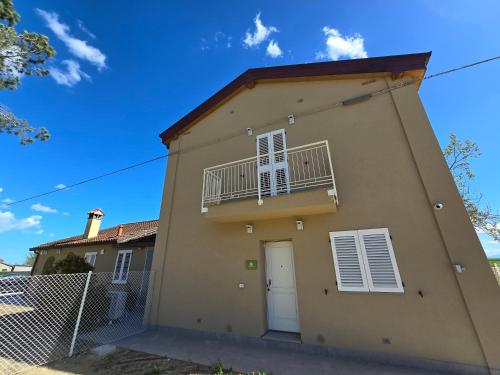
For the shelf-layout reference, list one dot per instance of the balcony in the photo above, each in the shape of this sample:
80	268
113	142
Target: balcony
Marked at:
292	182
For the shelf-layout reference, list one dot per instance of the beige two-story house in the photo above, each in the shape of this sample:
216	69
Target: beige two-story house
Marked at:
311	203
120	249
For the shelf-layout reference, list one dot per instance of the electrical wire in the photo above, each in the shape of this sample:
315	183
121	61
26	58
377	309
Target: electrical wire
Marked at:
329	106
136	165
348	101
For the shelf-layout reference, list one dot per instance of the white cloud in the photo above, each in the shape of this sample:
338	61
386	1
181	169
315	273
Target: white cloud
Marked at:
219	40
65	213
338	46
60	186
9	222
6	202
39	231
71	76
41	208
82	27
223	39
1	189
204	44
79	48
261	33
274	50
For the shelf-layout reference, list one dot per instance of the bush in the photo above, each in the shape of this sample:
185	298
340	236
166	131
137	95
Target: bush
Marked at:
71	264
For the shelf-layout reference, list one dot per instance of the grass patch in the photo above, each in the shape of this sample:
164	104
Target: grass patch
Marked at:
218	369
494	261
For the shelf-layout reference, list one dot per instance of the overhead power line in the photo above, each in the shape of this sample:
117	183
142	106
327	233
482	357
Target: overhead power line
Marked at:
136	165
461	67
348	101
329	106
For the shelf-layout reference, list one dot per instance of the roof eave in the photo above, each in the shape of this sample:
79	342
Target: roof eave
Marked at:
396	65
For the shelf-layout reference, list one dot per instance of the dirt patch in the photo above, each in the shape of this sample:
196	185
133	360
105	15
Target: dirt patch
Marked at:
123	361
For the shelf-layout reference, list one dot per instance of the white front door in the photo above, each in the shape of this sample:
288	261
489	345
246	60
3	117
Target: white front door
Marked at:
282	309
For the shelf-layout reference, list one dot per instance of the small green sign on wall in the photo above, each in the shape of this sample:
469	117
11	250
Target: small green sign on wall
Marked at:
251	264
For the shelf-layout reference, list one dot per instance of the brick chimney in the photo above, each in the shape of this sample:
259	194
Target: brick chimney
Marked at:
119	232
93	223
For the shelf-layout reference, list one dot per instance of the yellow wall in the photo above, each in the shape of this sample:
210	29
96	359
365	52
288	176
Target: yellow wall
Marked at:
5	267
389	171
104	262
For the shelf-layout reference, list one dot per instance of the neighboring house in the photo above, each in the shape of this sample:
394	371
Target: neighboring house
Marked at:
14	269
21	268
119	249
311	199
5	267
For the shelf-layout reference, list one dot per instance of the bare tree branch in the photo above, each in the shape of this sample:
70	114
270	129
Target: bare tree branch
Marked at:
458	155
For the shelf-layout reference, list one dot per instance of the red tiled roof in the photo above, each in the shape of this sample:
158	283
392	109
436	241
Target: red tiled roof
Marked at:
131	231
395	64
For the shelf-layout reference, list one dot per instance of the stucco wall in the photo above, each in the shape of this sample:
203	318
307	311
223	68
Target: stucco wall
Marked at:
199	262
5	267
104	262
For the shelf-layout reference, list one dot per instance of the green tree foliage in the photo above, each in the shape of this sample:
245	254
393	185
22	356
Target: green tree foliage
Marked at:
21	54
71	264
458	155
30	259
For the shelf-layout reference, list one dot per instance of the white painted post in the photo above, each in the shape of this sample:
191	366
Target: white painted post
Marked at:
203	208
334	188
77	325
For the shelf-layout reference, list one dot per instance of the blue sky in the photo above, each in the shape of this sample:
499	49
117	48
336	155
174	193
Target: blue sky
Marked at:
125	71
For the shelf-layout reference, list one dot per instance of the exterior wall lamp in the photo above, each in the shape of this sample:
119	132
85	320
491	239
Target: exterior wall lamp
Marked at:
249	228
459	268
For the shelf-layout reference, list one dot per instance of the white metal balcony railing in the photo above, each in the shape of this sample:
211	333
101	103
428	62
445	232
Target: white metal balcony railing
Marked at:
307	166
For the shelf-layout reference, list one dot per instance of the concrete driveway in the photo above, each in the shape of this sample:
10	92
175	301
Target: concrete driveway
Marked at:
247	357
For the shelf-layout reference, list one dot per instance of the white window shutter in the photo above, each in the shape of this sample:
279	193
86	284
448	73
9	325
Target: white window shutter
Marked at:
279	145
380	263
348	261
118	267
263	164
281	180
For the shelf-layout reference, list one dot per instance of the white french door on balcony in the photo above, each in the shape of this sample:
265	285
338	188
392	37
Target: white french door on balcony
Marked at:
272	163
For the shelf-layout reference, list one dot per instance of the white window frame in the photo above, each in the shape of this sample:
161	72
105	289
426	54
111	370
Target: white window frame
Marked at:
117	275
90	253
363	262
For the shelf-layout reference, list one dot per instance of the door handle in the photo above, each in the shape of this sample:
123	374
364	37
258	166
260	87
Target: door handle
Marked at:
269	285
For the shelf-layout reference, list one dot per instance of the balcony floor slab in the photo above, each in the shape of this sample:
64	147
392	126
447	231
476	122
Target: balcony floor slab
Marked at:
304	203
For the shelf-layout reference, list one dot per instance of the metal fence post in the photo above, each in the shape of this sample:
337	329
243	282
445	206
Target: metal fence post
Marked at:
77	324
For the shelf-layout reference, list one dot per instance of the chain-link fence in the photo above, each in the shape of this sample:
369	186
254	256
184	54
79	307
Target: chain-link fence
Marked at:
45	318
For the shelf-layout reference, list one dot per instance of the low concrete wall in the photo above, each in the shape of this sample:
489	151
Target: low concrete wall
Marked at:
420	363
